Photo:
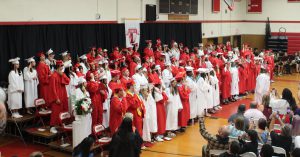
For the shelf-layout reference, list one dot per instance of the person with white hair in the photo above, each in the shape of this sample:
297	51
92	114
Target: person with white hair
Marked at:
31	82
15	88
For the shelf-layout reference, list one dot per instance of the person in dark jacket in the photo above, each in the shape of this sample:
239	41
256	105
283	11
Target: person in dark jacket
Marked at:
126	142
83	148
234	150
249	146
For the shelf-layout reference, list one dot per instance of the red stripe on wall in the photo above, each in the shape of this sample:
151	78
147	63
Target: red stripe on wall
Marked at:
114	22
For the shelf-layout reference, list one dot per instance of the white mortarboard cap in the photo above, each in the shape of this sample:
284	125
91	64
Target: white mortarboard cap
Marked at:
14	60
68	64
83	57
219	53
144	86
81	80
31	59
105	61
145	70
157	67
64	53
168	64
261	54
202	70
103	77
188	68
201	44
138	67
172	79
49	51
105	50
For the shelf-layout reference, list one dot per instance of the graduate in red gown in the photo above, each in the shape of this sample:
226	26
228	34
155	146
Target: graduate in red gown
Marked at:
44	74
226	84
125	77
93	87
160	98
115	80
57	95
118	107
185	54
91	56
148	51
133	64
242	79
135	106
184	91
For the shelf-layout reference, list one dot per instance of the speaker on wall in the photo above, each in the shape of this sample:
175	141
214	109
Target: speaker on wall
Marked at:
150	12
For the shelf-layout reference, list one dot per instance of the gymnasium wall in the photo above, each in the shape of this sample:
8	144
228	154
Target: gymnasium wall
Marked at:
224	23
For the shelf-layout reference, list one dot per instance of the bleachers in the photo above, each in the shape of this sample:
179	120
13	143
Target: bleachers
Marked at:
293	41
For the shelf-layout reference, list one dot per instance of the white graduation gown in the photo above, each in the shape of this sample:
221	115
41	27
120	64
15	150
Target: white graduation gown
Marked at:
215	90
30	89
173	106
209	95
202	90
175	53
166	77
193	97
146	121
71	87
15	89
108	75
235	81
106	106
262	86
84	68
139	80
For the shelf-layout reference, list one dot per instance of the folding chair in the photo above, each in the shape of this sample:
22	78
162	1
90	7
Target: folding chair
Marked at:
66	123
279	150
248	154
38	103
99	132
216	152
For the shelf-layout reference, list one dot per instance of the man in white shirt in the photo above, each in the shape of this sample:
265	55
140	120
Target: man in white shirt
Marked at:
253	113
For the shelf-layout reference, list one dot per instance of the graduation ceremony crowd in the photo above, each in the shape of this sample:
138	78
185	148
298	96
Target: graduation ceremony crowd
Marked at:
160	90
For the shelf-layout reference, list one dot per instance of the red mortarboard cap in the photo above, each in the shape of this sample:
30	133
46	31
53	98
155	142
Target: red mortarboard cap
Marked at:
116	48
118	87
115	73
158	41
186	48
180	44
182	63
173	59
40	54
130	82
195	49
214	53
156	81
77	65
146	58
99	49
59	62
93	48
124	69
129	48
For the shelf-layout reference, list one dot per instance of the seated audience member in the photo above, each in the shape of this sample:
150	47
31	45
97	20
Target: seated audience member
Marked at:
219	141
296	123
237	129
83	148
253	112
240	113
297	61
265	106
36	154
249	146
284	139
233	151
126	141
3	114
296	152
266	151
288	96
262	132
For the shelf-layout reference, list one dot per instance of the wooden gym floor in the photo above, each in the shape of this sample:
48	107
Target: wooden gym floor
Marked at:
188	144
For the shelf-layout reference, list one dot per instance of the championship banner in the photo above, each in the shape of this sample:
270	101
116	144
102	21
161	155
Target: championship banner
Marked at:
216	6
254	6
132	32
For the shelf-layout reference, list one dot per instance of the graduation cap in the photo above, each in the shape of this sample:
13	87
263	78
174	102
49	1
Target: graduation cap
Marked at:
202	70
64	53
138	67
148	41
14	60
40	54
50	51
188	68
31	59
81	80
68	64
59	62
83	57
115	73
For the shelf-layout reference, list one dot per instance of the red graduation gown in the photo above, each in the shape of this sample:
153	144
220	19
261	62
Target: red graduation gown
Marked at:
132	66
161	114
184	114
117	111
57	90
226	86
93	88
148	52
44	73
136	107
242	80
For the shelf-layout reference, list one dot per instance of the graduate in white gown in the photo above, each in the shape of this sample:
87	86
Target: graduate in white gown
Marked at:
235	80
173	106
15	88
202	89
262	85
214	82
193	95
209	94
50	61
167	75
71	87
83	64
106	104
31	82
144	95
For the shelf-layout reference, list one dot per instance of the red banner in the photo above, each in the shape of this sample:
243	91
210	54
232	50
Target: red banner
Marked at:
216	6
254	6
293	0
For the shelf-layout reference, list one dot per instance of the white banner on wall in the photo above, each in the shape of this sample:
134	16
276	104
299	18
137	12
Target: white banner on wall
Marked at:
132	32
